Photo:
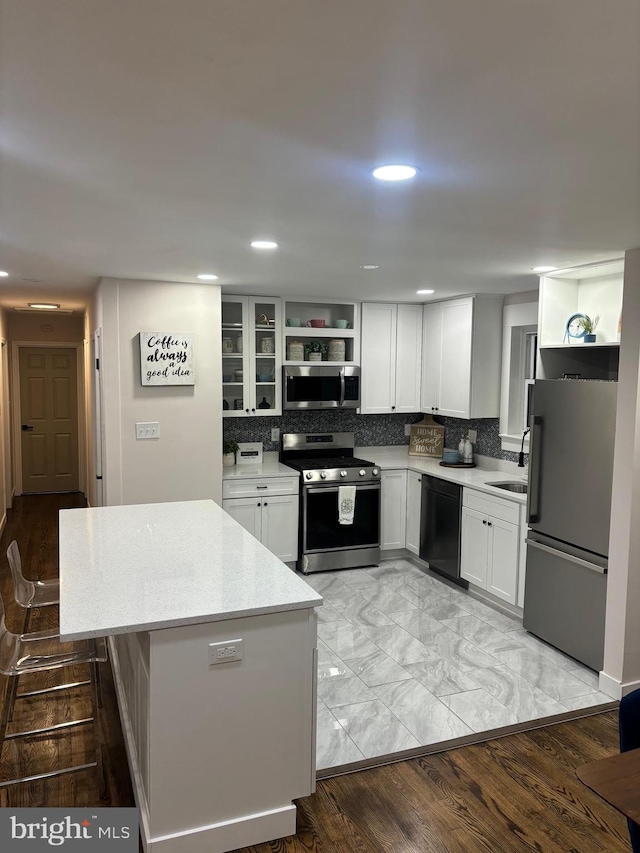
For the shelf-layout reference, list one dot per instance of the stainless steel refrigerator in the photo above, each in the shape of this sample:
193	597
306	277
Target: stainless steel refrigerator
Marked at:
569	508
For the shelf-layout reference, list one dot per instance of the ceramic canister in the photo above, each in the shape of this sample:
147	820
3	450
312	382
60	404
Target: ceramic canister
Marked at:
227	345
336	350
268	345
295	351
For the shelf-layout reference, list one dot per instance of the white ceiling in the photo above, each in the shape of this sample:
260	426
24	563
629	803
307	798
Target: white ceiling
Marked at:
154	138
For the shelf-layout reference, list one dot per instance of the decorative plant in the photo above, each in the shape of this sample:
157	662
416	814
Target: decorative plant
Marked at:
230	446
589	324
316	346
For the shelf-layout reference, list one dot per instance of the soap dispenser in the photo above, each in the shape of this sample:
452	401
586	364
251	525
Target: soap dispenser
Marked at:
467	454
461	449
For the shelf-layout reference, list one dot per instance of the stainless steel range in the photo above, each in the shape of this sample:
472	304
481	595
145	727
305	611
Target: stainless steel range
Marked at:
326	463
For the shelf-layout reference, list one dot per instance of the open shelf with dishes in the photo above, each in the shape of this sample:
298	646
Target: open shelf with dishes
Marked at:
320	332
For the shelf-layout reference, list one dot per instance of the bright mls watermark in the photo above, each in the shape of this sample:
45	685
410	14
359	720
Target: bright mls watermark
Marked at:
77	830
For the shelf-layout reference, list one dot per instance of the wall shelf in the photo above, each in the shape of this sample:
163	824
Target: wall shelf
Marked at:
306	332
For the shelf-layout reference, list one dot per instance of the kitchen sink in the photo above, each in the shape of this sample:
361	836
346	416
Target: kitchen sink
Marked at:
520	488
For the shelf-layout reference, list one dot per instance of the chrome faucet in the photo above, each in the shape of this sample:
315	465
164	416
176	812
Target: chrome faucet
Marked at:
521	454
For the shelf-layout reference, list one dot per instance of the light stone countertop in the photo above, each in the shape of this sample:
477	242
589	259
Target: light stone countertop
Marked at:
270	467
388	458
150	566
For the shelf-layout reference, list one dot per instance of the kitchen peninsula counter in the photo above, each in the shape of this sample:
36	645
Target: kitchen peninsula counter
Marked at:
217	751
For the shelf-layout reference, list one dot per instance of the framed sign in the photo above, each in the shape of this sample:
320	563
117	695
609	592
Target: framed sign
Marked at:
166	358
426	438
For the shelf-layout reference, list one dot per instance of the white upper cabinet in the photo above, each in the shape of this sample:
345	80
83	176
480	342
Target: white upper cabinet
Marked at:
390	359
461	357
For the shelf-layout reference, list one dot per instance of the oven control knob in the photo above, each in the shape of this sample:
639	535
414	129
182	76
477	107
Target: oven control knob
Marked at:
362	472
323	475
308	475
375	472
343	473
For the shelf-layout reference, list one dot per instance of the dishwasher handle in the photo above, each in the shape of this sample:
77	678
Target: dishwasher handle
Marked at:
441	487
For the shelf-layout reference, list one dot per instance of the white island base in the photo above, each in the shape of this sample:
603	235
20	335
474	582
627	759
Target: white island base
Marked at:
219	741
218	753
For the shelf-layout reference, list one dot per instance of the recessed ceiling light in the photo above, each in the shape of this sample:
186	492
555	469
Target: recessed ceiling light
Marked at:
3	274
544	269
425	291
369	266
395	172
44	306
264	244
206	276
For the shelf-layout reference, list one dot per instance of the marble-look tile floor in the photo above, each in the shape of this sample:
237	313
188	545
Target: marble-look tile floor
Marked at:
407	660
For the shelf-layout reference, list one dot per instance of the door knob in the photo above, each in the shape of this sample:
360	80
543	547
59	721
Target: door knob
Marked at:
26	428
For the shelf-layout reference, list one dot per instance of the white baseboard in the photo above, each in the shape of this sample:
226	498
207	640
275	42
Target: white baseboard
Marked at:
230	834
614	688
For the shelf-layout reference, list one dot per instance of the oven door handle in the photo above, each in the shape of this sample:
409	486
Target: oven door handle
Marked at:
342	387
360	487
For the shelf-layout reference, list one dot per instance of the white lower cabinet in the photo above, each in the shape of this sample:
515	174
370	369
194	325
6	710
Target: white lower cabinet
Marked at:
414	502
490	544
261	508
393	513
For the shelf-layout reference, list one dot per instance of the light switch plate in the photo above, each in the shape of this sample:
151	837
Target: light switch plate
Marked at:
407	429
473	436
225	652
147	430
275	434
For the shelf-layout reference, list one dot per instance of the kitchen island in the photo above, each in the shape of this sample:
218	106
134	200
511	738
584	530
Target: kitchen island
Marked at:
213	644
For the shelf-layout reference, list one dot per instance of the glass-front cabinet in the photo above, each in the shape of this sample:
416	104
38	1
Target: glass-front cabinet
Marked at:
251	356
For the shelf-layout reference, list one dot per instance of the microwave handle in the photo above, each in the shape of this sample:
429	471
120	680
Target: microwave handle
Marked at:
342	387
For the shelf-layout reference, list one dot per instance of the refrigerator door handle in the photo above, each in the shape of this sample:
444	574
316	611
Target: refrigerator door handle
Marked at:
533	505
584	563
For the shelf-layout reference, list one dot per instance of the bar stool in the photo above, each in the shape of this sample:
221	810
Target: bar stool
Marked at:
30	594
40	652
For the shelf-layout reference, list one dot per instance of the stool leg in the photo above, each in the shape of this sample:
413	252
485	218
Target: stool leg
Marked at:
95	680
13	691
27	619
6	710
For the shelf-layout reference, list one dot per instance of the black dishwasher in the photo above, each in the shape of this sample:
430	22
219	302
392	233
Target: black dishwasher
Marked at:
440	527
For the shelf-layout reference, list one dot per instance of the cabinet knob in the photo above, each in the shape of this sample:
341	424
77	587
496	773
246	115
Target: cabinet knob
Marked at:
392	408
259	504
247	411
489	523
253	410
266	504
484	520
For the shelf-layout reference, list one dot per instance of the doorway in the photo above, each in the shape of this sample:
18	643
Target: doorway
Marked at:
47	395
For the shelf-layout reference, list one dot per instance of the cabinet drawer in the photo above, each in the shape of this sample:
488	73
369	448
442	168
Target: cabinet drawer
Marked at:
490	505
264	486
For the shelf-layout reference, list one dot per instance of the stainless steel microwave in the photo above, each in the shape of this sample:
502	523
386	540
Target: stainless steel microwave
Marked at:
321	387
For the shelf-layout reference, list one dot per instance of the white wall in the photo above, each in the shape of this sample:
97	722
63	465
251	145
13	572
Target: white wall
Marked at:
185	463
621	669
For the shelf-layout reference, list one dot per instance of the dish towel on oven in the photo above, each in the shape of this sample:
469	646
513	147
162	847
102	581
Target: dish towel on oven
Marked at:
346	504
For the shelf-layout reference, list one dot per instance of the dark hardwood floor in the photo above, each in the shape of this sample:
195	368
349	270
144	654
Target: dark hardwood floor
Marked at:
512	795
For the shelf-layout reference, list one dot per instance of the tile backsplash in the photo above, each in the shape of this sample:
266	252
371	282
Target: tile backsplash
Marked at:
369	430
